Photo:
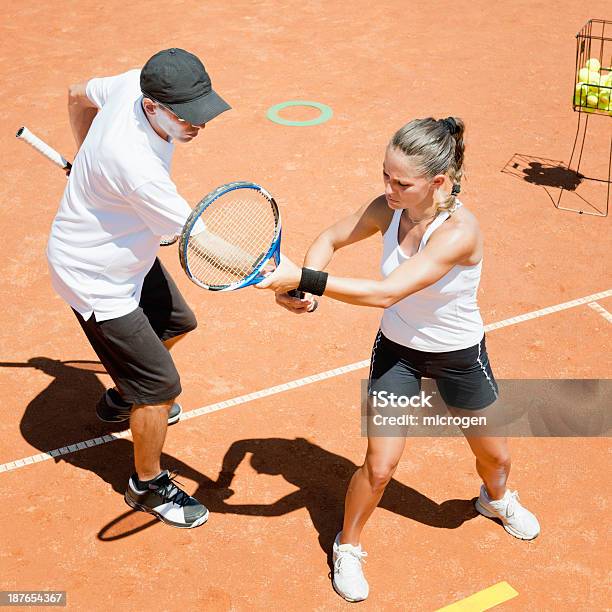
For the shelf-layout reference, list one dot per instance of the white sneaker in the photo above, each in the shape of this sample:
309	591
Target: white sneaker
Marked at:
517	520
349	581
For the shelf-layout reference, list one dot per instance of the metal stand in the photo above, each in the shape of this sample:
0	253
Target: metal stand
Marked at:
597	213
593	53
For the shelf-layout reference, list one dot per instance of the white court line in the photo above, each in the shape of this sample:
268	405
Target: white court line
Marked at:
601	310
300	382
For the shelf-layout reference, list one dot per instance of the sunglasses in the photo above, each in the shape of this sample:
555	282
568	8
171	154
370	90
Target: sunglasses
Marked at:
180	119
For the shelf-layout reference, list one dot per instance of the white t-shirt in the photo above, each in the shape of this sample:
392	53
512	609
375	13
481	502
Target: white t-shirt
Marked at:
119	201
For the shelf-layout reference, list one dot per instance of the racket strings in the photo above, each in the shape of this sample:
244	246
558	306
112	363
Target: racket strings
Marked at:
225	266
230	225
243	230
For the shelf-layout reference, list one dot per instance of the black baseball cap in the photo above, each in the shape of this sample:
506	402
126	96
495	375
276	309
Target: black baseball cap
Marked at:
178	80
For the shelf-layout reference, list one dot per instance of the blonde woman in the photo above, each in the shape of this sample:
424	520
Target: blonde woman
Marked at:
431	324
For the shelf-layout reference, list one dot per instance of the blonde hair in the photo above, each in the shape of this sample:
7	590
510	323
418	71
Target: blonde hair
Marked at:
437	145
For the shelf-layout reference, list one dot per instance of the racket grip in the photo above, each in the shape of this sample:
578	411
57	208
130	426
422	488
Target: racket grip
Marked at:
24	134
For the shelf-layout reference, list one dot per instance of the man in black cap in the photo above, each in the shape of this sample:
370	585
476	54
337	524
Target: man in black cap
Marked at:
102	252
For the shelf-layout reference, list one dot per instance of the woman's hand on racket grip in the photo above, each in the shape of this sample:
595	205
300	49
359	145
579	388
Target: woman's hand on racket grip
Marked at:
296	305
286	277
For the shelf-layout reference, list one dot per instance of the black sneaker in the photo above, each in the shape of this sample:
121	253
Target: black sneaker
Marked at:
113	409
166	501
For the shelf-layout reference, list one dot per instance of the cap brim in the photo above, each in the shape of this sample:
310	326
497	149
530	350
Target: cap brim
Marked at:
202	110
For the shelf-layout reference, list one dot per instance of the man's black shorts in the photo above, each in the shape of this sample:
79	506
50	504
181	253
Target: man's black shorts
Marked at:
131	347
464	377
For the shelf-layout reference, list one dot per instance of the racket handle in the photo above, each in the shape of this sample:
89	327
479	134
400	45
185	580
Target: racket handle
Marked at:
42	147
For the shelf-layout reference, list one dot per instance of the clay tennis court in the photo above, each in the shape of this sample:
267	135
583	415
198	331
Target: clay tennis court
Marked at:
507	69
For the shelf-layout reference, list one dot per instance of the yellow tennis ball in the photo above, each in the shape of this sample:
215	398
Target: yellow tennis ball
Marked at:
593	64
594	83
592	101
594	77
583	74
582	91
603	103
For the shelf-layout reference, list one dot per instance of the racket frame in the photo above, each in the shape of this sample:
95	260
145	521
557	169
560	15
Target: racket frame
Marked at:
273	252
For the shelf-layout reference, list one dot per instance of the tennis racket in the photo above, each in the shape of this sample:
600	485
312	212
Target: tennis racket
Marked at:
51	154
230	237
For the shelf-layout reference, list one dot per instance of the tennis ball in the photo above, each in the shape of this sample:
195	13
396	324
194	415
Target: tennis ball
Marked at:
593	64
582	91
593	81
592	101
603	103
588	76
594	78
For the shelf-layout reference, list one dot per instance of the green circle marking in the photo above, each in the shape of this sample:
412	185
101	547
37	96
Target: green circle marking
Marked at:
326	113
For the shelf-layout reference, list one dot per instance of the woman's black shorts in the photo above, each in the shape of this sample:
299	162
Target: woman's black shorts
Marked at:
464	377
131	347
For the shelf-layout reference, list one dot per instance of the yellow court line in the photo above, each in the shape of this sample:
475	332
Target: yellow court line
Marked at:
483	600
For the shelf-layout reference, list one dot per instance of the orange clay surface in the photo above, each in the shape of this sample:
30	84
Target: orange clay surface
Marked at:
507	69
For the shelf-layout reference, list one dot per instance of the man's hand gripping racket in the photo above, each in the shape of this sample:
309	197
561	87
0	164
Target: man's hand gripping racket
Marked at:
51	154
232	240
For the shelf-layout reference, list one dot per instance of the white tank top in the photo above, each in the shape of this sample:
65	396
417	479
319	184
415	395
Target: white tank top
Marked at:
439	318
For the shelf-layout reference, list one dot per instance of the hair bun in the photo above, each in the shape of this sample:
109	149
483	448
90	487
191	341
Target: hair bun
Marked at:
451	125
